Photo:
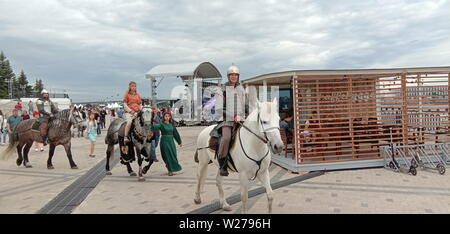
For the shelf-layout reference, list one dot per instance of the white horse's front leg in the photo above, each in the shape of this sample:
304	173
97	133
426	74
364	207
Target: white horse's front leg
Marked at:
222	201
140	159
201	176
265	181
244	192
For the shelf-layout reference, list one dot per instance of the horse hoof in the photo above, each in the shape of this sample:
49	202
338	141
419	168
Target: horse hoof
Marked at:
226	208
198	201
108	173
50	167
19	162
133	174
141	179
27	165
144	170
74	167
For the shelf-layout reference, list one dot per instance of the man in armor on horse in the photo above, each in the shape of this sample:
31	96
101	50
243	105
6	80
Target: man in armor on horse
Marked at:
232	114
46	109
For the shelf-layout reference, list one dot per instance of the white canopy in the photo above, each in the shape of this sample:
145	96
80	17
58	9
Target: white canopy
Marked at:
113	105
185	70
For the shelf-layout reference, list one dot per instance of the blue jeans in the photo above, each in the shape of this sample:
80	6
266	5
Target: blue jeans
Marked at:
153	148
5	134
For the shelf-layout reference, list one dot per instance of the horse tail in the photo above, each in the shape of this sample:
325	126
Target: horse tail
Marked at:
6	154
196	156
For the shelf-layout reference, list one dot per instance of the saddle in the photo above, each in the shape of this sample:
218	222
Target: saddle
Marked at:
36	126
216	136
127	153
214	142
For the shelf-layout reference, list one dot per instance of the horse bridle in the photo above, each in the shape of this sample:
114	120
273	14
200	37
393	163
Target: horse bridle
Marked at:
139	134
266	140
77	122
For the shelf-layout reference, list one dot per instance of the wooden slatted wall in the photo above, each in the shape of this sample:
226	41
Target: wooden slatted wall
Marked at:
340	118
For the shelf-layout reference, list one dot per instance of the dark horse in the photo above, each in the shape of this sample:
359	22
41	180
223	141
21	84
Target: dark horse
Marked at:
59	133
141	134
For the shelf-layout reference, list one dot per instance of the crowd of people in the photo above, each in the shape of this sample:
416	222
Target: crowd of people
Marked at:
163	127
97	119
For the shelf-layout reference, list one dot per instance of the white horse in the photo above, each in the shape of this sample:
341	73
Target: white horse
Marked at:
258	137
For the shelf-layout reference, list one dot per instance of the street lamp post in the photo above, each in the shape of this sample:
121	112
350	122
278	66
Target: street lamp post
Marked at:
22	87
10	90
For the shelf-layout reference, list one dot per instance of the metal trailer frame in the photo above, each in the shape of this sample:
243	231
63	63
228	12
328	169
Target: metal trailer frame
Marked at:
445	147
400	164
425	157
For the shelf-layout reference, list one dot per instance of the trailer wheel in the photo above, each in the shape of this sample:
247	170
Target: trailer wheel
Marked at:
441	169
414	163
413	171
391	165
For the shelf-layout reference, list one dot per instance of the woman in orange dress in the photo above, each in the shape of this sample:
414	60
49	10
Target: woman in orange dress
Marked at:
132	104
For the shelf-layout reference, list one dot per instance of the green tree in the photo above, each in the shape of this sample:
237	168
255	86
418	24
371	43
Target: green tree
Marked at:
25	90
3	84
38	87
6	75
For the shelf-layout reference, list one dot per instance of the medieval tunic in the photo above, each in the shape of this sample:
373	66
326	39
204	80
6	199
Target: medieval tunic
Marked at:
167	146
234	103
45	108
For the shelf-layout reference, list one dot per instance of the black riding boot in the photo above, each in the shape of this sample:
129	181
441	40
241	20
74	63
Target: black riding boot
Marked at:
223	167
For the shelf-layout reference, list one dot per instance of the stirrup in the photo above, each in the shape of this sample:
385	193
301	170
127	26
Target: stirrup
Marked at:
126	140
44	140
124	149
223	172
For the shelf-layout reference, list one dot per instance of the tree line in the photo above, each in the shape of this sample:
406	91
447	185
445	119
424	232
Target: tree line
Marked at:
15	87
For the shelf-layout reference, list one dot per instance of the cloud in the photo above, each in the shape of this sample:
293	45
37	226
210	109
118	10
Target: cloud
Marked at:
95	47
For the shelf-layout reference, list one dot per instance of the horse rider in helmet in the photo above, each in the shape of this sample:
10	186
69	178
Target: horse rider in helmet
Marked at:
232	114
47	110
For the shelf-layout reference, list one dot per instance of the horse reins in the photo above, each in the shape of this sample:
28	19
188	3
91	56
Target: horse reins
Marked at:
266	140
60	119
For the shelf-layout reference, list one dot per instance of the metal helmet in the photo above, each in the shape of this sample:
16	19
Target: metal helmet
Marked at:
233	70
44	91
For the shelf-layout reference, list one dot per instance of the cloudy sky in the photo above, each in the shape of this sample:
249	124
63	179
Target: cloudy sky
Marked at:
93	48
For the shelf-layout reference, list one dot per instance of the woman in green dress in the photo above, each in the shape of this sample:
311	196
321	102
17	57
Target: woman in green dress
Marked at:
167	146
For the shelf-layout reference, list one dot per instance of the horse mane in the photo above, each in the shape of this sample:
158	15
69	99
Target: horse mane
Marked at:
61	115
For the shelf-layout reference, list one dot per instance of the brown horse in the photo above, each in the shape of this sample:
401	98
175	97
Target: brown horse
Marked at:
59	133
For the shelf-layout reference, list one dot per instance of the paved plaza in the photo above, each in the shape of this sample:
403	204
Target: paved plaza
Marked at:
27	190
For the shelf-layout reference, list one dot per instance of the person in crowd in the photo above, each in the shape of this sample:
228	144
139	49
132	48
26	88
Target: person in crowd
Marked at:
156	135
30	108
92	133
112	116
83	112
97	119
3	130
12	122
288	124
120	113
18	106
102	118
168	150
25	115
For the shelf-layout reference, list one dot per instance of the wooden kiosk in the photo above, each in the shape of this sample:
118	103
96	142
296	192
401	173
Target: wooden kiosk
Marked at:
343	117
